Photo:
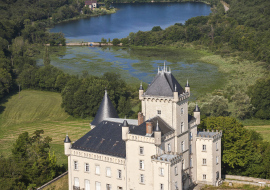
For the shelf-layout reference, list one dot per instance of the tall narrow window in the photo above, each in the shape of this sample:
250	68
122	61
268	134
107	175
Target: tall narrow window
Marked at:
183	164
190	162
76	165
142	178
190	149
86	167
162	171
76	182
204	177
182	146
108	186
216	146
97	169
204	161
169	147
98	186
108	172
141	150
182	111
161	186
216	159
175	170
86	184
217	175
176	187
204	147
190	136
119	172
182	127
141	164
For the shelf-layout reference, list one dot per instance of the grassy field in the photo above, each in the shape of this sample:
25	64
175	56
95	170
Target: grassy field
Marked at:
235	186
264	130
38	110
61	184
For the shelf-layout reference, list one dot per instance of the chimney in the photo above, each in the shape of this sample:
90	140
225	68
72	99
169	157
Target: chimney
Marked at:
149	128
140	118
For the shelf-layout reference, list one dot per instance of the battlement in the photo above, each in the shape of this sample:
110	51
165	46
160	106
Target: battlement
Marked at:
164	99
209	134
168	157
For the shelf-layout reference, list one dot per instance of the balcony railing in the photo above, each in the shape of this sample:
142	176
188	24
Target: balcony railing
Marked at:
76	188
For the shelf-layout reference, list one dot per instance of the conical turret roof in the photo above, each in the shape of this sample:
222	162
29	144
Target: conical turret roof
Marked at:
105	110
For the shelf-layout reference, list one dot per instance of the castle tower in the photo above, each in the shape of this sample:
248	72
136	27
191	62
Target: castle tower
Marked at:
125	130
105	110
197	114
67	145
157	135
140	91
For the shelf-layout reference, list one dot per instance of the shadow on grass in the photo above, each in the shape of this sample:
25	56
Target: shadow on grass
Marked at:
5	99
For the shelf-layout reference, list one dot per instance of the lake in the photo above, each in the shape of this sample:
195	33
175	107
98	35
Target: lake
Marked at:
136	64
130	18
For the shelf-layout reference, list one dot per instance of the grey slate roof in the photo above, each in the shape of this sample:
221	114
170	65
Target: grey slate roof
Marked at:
190	118
105	138
163	85
67	140
141	129
105	110
206	134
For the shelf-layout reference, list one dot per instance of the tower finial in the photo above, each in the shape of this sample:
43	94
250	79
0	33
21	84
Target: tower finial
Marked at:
170	69
164	66
187	82
158	69
175	88
105	90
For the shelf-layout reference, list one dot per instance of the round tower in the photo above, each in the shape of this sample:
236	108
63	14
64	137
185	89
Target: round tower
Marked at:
67	145
125	130
157	135
187	87
197	114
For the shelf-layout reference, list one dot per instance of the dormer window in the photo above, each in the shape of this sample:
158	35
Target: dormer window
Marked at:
158	112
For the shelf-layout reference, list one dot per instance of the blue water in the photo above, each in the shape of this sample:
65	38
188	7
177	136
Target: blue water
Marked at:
130	18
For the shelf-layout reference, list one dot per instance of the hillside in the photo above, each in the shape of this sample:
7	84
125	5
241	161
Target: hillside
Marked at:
38	110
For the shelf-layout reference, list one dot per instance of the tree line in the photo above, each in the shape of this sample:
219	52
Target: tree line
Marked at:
31	163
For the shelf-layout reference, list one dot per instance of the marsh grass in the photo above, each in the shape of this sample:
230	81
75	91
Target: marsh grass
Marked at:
37	110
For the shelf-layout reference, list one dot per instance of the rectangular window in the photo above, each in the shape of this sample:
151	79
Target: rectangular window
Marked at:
175	170
86	184
182	127
108	187
182	146
204	177
141	164
176	185
190	149
76	182
98	186
158	112
182	111
162	171
97	169
108	172
169	147
142	178
76	165
119	188
161	186
119	174
86	167
217	160
216	146
190	162
204	161
183	164
141	150
217	175
204	147
190	136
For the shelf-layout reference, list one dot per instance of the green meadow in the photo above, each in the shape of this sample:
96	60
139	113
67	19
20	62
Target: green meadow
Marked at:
35	110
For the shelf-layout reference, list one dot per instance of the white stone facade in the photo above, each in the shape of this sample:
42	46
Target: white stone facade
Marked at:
183	158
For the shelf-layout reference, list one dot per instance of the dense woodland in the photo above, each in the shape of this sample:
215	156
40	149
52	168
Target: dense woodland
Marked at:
243	33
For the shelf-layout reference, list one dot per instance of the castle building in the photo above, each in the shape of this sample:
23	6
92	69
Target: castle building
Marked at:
161	150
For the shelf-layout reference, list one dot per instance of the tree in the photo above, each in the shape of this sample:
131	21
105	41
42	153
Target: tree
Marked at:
259	94
116	41
107	4
156	29
218	106
46	57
